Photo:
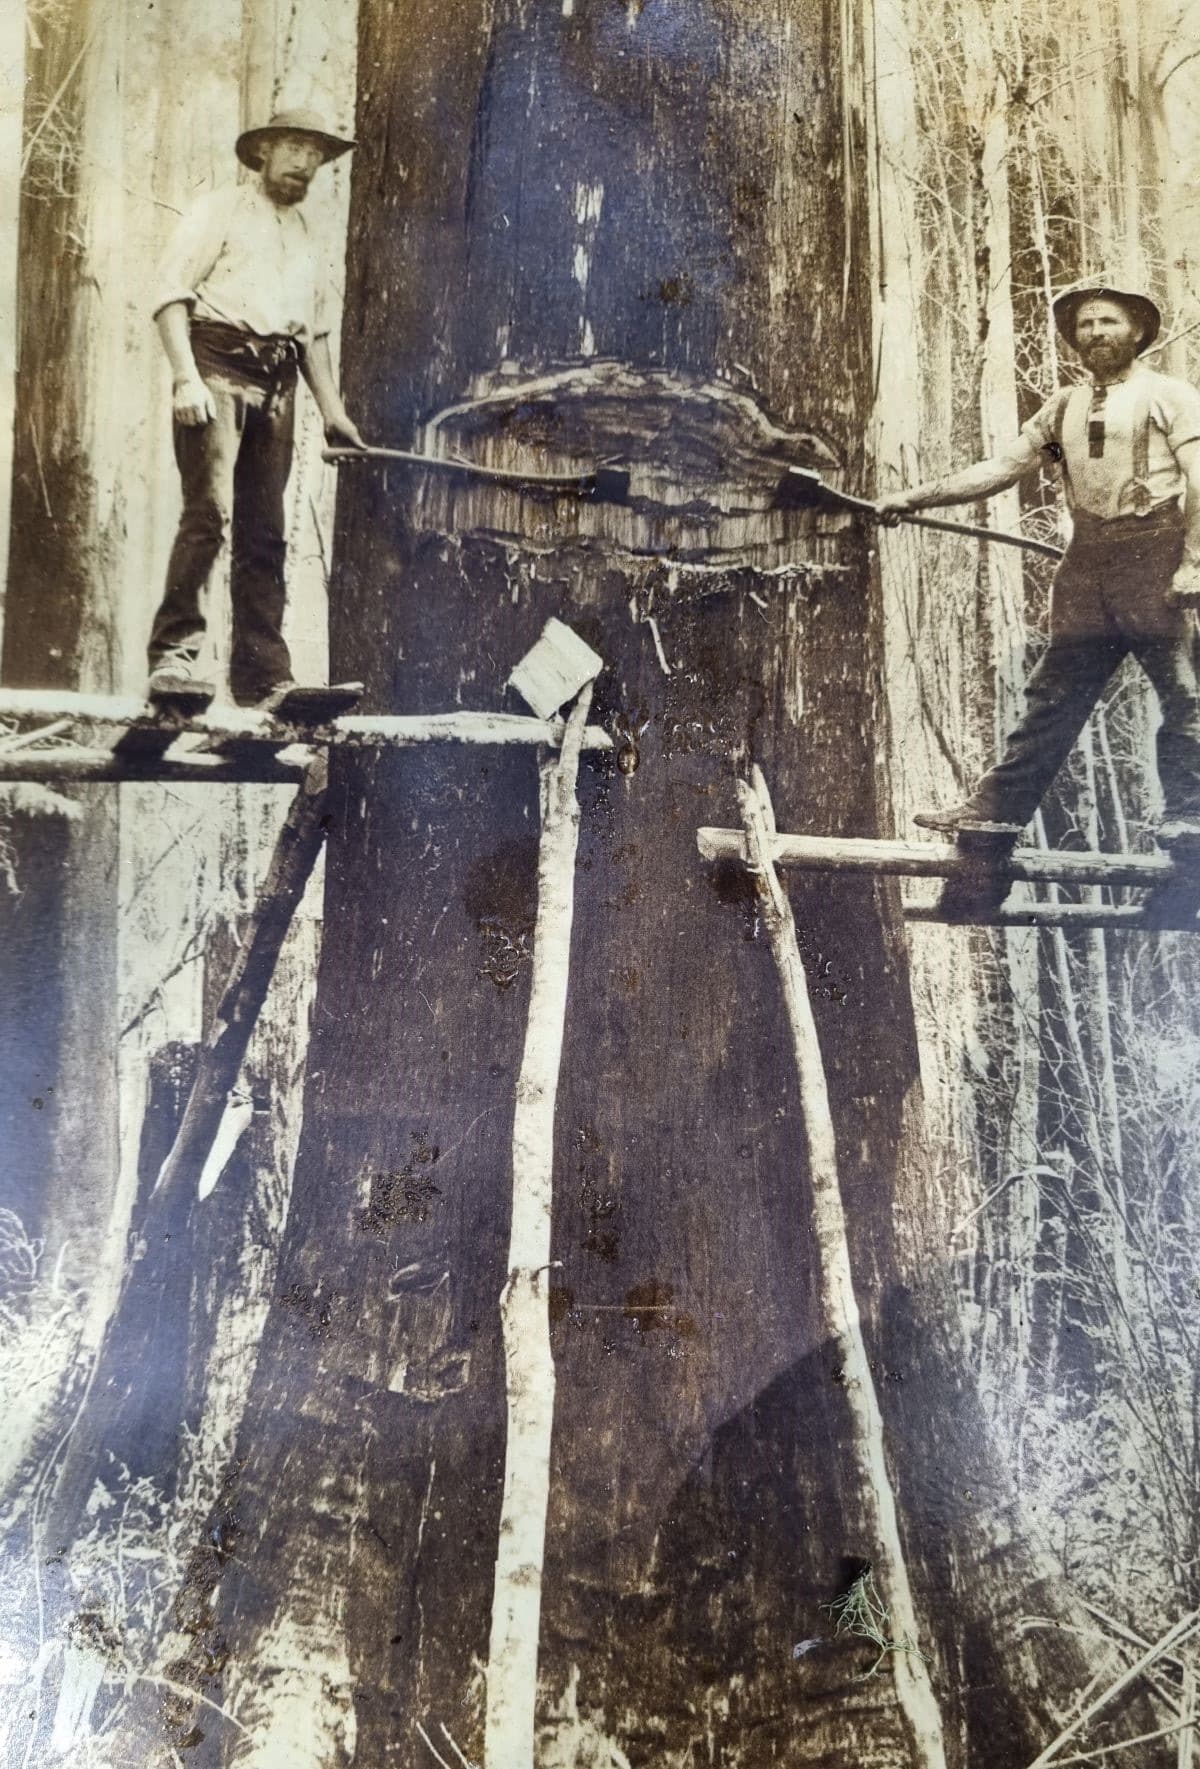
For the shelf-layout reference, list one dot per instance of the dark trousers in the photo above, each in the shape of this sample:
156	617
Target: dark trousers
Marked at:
234	471
1107	601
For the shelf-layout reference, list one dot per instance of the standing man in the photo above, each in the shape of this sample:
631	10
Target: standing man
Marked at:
241	308
1128	443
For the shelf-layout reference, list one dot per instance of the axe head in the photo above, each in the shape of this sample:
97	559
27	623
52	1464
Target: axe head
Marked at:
802	489
610	485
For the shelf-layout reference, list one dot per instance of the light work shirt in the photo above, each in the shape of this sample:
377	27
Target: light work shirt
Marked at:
238	257
1106	485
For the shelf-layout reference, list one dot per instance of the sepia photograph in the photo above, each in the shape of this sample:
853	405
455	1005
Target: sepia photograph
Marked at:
599	884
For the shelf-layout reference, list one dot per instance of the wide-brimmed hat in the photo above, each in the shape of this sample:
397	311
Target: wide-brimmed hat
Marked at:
249	145
1067	302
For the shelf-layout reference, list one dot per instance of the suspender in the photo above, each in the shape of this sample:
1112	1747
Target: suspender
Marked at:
1141	452
1139	448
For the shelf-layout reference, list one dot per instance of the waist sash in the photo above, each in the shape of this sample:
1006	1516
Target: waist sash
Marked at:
269	363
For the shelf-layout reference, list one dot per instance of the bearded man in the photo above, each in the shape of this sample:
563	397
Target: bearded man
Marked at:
241	308
1128	444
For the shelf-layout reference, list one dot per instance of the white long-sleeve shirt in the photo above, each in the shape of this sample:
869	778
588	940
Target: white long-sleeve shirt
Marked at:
238	257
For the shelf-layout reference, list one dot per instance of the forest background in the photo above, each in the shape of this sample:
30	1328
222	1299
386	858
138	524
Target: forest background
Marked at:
1007	149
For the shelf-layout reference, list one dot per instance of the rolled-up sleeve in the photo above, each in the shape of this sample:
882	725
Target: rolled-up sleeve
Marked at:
191	251
1038	430
1181	414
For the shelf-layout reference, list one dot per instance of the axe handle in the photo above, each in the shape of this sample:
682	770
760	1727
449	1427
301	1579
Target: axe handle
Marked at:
981	534
848	501
581	483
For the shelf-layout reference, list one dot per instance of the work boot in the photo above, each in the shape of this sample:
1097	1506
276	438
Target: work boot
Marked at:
271	701
972	896
962	816
175	673
945	822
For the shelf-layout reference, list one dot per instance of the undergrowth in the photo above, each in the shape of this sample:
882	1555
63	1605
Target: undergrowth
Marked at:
90	1620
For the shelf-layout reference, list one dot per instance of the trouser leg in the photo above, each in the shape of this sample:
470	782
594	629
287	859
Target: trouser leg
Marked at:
1163	639
206	456
259	659
1060	694
1171	666
1085	648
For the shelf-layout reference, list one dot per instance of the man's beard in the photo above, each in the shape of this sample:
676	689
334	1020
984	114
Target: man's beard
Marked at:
1108	353
286	191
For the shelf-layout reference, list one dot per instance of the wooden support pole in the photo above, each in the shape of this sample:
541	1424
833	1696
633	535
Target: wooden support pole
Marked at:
296	849
1127	917
24	738
67	767
246	724
812	853
525	1303
839	1304
361	731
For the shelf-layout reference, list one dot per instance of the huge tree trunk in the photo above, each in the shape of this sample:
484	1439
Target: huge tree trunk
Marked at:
673	214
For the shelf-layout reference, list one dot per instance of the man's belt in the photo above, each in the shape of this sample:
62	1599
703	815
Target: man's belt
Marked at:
1089	530
264	361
